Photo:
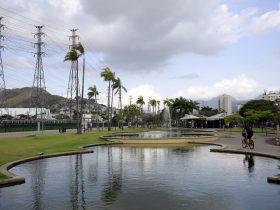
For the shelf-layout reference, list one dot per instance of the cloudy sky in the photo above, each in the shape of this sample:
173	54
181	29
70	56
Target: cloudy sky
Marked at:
160	49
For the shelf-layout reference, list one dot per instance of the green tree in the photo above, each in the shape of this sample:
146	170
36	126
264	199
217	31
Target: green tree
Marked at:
158	104
119	87
153	103
258	105
93	92
130	112
140	101
73	56
81	51
167	102
234	119
182	106
208	111
108	76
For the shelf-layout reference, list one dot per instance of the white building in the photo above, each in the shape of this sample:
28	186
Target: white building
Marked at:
15	112
225	104
271	96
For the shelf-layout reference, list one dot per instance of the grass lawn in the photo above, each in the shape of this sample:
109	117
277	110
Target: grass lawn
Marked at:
12	149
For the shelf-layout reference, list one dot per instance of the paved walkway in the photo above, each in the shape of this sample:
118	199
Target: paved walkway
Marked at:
232	141
28	133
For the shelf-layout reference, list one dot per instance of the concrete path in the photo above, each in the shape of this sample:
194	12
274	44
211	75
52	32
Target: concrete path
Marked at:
28	133
232	141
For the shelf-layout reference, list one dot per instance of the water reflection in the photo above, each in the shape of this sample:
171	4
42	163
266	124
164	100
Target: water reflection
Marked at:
77	184
121	177
114	178
249	161
38	169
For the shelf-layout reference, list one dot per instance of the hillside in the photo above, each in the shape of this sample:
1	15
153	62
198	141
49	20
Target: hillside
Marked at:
21	98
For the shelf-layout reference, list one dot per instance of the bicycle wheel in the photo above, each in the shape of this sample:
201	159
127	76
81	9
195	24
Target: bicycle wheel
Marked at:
244	145
252	144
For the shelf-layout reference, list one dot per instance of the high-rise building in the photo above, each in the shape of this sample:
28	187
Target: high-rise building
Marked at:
225	104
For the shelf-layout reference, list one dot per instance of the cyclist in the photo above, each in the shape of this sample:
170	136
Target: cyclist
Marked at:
249	133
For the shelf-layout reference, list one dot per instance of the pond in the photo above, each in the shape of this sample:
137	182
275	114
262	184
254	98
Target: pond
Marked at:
164	134
132	178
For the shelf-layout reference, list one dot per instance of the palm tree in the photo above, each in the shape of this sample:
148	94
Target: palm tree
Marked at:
119	87
153	103
108	75
158	103
81	50
167	102
73	56
112	96
181	106
141	103
92	92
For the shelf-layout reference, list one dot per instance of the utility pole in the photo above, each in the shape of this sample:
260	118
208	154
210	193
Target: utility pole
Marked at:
2	77
73	83
130	100
39	86
149	105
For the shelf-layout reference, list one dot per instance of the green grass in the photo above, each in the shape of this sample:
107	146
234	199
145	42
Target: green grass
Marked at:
2	176
12	149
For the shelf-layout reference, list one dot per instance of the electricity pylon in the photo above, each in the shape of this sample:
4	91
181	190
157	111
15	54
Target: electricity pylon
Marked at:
2	77
73	83
39	86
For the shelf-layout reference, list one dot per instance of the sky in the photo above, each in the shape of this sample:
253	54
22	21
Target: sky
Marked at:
159	49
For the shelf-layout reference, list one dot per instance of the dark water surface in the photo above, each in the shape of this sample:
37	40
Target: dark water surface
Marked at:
129	178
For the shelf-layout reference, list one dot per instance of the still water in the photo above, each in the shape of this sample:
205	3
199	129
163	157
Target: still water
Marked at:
165	134
130	178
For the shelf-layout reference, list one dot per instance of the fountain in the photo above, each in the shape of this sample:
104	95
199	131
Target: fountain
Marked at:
166	117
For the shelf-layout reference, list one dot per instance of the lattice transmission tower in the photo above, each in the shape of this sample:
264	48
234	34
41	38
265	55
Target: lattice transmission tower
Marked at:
73	83
39	86
2	77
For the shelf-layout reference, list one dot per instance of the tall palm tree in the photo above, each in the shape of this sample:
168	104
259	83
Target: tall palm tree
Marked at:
119	87
93	92
167	102
140	101
73	56
112	96
108	76
158	103
81	50
153	103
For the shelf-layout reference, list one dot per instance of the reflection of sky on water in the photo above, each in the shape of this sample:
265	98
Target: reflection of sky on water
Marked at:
144	178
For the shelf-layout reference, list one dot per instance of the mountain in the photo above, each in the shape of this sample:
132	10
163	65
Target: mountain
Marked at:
22	98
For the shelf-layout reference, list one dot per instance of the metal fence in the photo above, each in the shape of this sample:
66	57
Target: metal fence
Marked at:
31	125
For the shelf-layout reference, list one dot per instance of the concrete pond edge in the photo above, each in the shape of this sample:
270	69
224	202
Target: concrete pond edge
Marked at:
15	179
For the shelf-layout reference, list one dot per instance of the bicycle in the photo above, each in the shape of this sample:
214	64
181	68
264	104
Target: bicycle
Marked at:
251	142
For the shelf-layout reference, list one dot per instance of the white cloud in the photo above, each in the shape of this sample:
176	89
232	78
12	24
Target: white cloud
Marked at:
146	35
240	88
145	90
